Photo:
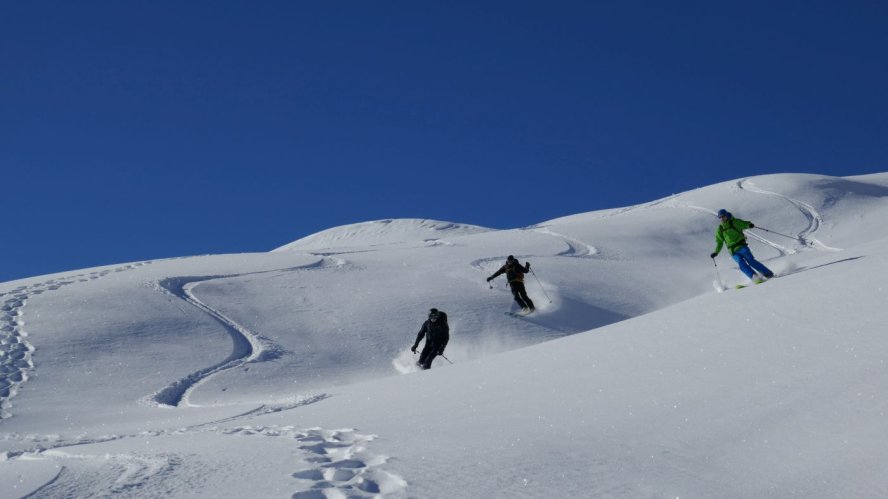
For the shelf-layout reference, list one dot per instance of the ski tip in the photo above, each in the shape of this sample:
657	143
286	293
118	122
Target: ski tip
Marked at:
516	314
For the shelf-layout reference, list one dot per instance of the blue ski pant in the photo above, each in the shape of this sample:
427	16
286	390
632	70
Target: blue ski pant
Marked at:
747	263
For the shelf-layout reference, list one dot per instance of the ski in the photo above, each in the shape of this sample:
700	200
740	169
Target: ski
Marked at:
516	314
741	286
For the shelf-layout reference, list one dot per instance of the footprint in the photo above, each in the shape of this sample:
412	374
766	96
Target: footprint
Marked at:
317	449
348	464
334	463
309	475
339	475
369	486
309	494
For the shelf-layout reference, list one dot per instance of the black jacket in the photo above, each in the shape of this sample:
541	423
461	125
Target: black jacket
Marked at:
514	271
435	332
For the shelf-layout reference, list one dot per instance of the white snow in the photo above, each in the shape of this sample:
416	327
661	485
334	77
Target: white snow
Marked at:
288	373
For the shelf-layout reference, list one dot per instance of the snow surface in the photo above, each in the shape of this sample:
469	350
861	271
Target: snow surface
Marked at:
288	374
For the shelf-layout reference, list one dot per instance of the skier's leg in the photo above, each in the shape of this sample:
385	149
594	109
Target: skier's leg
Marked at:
425	358
741	261
427	355
522	292
516	293
757	265
746	255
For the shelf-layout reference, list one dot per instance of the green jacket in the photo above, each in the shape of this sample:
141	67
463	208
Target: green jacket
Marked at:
730	234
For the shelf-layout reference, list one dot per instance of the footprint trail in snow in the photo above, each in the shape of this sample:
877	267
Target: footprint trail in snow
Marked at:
16	352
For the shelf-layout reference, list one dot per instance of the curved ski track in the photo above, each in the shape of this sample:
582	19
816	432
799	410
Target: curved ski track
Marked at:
248	346
16	353
575	247
814	218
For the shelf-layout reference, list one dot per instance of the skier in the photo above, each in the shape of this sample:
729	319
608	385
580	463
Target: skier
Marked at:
730	233
515	275
437	334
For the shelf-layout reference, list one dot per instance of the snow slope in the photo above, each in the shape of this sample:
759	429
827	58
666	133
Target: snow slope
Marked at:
288	374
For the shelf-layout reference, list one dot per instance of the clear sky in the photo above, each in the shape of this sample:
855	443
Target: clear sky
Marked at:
142	130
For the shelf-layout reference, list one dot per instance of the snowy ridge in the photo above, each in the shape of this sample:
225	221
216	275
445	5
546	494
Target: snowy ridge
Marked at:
289	374
383	232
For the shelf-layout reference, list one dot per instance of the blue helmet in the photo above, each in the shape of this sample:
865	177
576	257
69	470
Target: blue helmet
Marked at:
724	213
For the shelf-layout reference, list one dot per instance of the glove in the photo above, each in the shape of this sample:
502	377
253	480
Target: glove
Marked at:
713	255
489	278
441	352
527	265
751	225
413	349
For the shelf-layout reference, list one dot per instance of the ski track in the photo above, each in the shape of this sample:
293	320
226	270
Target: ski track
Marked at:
651	204
328	464
248	346
575	247
814	218
53	442
16	352
481	263
83	475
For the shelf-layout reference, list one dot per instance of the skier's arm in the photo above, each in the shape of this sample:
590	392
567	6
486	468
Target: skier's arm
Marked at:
422	332
497	273
719	242
526	267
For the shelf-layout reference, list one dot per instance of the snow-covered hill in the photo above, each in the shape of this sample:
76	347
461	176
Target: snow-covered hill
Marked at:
289	373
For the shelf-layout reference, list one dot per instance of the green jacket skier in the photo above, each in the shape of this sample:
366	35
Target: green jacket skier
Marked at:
730	233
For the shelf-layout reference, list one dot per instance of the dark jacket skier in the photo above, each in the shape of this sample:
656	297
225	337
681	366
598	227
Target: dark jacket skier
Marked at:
515	275
730	233
436	333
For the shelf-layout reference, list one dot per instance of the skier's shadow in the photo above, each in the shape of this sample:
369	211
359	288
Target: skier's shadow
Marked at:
805	269
573	316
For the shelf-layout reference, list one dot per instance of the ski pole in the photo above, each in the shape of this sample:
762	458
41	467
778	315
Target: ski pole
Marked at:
541	285
717	274
445	358
797	238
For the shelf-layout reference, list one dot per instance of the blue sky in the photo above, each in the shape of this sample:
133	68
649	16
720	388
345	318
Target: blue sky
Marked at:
143	130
